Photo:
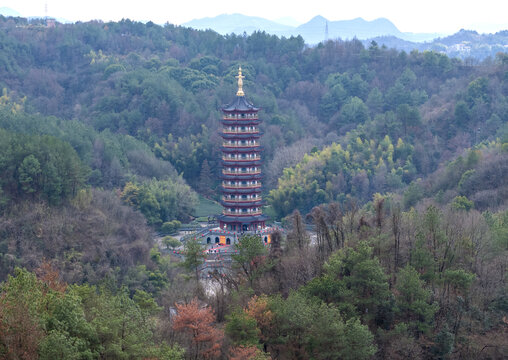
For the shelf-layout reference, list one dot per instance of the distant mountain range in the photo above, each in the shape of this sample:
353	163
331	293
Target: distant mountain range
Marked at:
313	32
463	44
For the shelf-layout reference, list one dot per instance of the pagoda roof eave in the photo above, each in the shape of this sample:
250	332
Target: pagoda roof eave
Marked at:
240	219
240	104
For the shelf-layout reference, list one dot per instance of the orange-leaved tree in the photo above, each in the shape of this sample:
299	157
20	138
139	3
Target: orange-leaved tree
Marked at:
196	323
258	308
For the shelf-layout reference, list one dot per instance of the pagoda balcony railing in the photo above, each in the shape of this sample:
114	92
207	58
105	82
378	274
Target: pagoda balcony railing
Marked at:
240	145
240	117
226	186
240	200
248	172
227	131
225	158
247	213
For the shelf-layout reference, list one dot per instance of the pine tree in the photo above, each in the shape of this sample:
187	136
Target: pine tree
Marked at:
205	179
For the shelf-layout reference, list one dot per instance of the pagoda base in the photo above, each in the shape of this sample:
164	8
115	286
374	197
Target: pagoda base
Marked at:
223	237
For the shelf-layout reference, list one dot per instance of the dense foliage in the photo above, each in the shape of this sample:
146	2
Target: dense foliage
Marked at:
43	318
363	168
163	85
38	167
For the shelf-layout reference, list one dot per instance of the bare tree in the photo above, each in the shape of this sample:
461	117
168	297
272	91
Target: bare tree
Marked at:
298	236
335	219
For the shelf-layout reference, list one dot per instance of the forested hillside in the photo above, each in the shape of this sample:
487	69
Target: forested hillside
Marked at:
396	162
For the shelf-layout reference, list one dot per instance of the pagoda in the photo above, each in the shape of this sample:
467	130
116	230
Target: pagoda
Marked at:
241	165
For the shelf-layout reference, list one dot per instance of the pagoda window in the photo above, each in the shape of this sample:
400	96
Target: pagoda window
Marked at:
244	210
244	196
244	156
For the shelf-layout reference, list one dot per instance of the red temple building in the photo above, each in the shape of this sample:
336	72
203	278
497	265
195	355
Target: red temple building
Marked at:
241	165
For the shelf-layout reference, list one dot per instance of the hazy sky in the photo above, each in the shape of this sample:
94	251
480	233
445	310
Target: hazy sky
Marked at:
445	16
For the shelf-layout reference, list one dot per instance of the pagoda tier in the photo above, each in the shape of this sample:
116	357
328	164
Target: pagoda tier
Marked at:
241	136
241	165
241	149
241	177
233	189
226	191
239	204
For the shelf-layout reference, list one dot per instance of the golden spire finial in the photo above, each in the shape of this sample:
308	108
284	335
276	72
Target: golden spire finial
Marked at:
240	78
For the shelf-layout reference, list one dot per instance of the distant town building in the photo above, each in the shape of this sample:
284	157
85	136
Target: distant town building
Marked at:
50	23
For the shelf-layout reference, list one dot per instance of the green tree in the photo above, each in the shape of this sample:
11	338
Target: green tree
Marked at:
354	112
308	327
29	172
121	327
443	343
194	257
413	300
461	203
408	116
375	101
462	113
354	280
150	207
332	101
205	179
171	227
170	242
251	256
413	194
242	329
477	91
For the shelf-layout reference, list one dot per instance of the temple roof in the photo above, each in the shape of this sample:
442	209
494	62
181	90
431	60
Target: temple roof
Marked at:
240	103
